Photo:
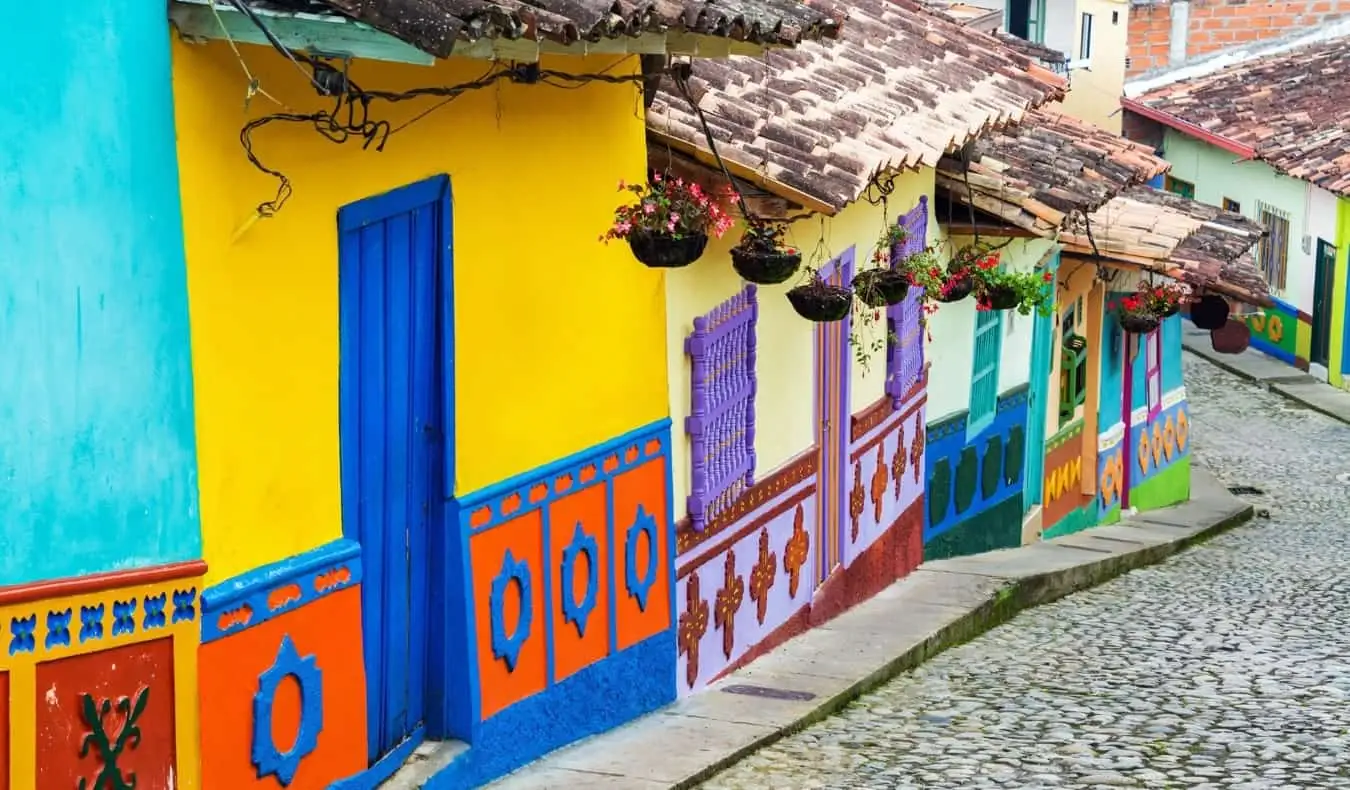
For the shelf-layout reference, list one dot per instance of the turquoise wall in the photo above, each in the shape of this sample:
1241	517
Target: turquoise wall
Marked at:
97	452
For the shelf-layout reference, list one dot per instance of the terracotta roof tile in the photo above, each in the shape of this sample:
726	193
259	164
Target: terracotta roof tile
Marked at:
435	26
1193	242
899	89
1031	175
1292	108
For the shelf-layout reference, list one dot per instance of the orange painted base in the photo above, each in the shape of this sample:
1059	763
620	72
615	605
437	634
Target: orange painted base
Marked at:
330	629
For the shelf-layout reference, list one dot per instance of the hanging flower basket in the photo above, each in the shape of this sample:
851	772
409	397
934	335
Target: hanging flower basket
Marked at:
1170	311
1233	337
1000	297
759	257
668	224
1139	323
821	302
665	251
881	287
955	289
1210	312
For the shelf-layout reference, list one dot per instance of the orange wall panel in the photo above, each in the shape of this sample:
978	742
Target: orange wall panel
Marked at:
574	649
522	539
329	628
640	497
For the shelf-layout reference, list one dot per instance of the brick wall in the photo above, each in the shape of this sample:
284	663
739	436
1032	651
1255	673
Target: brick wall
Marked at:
1219	24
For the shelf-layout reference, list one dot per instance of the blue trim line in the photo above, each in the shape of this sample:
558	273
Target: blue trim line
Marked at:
254	587
520	484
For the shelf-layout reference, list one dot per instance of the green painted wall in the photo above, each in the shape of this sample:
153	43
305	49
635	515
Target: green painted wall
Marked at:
1169	487
999	527
1074	521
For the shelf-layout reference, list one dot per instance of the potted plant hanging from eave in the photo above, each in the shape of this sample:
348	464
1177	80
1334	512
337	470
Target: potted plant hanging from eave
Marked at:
882	285
1137	315
948	284
1164	300
997	288
668	224
761	257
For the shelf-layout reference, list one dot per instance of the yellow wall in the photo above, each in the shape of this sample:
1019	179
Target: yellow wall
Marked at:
1094	93
558	337
784	400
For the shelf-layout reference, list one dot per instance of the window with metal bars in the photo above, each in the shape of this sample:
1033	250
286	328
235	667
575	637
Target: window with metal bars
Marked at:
721	422
984	375
1273	250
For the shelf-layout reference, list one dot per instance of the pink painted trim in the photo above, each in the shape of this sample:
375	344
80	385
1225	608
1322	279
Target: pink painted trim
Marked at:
1188	128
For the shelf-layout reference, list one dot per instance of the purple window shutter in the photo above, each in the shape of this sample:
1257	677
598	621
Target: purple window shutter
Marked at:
904	362
721	422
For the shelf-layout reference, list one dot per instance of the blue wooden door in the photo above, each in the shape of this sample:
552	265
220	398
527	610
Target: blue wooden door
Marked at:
832	425
393	252
1043	333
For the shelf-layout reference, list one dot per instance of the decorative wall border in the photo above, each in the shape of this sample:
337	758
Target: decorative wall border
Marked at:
777	483
871	417
255	597
914	401
498	503
760	521
955	422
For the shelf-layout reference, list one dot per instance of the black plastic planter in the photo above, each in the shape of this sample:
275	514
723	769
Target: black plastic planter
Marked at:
765	267
880	287
959	290
1137	324
1210	312
661	251
1233	337
821	302
1000	298
1170	311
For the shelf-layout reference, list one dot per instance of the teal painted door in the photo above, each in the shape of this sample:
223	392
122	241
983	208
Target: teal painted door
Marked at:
1042	336
391	262
1324	285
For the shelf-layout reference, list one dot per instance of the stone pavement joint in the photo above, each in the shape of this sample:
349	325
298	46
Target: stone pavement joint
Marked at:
1272	374
941	605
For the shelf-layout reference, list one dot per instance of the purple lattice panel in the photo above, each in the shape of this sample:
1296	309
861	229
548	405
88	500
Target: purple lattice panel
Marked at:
721	422
904	362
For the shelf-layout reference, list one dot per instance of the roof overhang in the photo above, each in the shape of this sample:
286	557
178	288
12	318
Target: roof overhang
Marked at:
1187	128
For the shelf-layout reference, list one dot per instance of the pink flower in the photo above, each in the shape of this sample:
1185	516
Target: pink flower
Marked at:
656	177
674	216
648	207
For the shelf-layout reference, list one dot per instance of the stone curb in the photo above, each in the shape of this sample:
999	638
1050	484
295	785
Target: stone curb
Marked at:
1270	386
941	605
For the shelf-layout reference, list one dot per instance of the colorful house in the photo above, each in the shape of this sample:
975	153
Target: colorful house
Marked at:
1111	411
385	487
1250	133
800	450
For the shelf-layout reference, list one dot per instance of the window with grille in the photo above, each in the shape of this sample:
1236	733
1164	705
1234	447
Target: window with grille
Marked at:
984	376
721	422
1178	187
904	350
1072	365
1273	249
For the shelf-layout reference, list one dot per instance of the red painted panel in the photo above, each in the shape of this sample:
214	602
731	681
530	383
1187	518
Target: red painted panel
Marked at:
106	699
571	650
643	486
499	686
4	730
330	629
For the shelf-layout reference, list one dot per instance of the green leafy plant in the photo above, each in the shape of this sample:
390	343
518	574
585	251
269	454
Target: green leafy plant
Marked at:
998	288
668	206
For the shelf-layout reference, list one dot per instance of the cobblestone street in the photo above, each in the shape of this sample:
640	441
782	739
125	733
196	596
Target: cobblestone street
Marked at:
1225	667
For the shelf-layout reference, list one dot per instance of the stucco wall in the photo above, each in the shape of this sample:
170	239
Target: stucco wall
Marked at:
557	338
1094	91
97	465
1217	175
785	362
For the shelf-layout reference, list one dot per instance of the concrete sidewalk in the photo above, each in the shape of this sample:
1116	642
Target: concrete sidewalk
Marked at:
1273	374
940	605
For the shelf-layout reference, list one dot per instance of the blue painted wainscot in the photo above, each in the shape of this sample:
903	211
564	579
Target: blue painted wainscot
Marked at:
525	664
973	497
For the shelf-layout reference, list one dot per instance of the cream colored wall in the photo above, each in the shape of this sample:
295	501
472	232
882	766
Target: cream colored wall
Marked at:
785	353
951	350
1095	90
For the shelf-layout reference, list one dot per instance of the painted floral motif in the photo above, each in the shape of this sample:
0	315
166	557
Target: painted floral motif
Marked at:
1157	444
729	600
1143	451
1182	430
898	460
916	452
693	625
857	500
879	480
762	576
794	556
1169	439
111	741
